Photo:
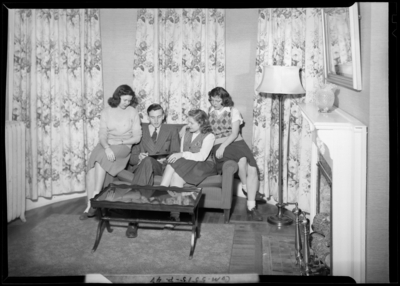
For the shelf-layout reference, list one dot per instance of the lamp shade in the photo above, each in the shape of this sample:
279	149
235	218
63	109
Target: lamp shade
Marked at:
280	79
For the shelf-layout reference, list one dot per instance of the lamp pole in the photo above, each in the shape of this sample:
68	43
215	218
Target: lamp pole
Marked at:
279	219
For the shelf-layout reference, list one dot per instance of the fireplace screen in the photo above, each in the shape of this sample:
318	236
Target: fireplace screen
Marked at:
324	186
320	238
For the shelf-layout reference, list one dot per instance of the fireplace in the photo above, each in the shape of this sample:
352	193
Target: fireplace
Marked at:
324	186
313	251
320	240
339	145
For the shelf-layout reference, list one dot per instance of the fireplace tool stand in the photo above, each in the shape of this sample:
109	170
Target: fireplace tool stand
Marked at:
302	250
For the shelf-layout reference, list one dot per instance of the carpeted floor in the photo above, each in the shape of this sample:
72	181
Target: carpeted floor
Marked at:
49	250
279	256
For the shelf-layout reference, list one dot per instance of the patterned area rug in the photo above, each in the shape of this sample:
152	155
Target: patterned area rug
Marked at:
61	246
279	256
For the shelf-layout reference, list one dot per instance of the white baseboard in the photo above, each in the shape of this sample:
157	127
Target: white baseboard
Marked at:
41	201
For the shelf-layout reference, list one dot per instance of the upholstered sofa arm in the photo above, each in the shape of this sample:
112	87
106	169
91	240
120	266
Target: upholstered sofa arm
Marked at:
229	168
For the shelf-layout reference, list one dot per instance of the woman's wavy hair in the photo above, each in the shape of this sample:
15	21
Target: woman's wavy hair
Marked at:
223	94
201	117
124	89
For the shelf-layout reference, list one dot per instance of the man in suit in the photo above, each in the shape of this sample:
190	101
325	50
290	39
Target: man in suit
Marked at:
157	138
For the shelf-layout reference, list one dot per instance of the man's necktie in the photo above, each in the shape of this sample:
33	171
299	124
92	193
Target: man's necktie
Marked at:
154	136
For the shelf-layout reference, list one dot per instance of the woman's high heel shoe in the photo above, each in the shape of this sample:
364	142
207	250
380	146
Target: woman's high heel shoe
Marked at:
261	198
90	213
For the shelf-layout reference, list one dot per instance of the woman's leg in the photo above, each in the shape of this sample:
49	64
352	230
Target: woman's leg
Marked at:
246	175
252	182
242	164
252	187
167	180
100	176
249	174
167	176
90	186
96	181
177	181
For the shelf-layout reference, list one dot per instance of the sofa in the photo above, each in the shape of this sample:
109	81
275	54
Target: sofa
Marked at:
217	190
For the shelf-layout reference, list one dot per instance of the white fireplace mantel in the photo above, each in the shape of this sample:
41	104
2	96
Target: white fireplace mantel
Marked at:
342	140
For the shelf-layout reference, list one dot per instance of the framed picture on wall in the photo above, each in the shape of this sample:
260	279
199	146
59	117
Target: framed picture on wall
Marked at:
341	38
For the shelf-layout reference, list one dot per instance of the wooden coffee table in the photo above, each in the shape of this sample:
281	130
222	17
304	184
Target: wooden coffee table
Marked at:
147	199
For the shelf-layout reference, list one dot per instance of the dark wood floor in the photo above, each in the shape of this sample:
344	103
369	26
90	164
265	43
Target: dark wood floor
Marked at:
247	245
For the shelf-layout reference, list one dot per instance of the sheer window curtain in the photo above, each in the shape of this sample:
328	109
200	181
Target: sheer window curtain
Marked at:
179	58
286	37
56	89
339	27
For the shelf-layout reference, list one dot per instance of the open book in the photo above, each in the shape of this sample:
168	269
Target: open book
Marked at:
159	155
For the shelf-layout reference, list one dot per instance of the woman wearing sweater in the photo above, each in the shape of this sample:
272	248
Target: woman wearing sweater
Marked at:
119	129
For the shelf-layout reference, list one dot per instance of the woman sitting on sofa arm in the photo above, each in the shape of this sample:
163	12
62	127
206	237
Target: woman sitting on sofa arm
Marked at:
225	121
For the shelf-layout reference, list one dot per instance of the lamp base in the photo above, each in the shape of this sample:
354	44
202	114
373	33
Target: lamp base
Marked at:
279	219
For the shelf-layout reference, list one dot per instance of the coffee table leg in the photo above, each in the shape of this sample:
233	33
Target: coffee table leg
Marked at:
104	212
100	229
197	224
193	241
195	233
109	229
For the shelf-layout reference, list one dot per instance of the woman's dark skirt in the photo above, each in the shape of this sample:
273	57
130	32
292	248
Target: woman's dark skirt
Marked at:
194	172
122	154
234	151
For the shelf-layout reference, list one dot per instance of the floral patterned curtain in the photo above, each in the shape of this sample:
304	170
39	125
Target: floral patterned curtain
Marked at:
58	93
179	58
286	37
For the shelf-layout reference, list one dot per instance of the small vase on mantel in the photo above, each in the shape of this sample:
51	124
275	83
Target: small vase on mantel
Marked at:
325	97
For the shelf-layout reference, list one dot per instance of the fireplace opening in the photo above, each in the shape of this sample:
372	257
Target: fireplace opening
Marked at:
324	186
321	238
313	251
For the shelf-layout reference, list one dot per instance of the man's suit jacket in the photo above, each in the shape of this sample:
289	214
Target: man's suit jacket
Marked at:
167	142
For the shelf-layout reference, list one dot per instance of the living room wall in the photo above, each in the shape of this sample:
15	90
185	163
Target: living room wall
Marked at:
241	42
370	105
118	28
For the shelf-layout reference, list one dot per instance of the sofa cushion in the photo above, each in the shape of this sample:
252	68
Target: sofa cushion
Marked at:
212	181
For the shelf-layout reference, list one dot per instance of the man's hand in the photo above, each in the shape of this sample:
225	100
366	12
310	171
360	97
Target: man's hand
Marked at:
142	156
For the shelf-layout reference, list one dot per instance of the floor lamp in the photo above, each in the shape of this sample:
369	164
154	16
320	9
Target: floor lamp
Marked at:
280	80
